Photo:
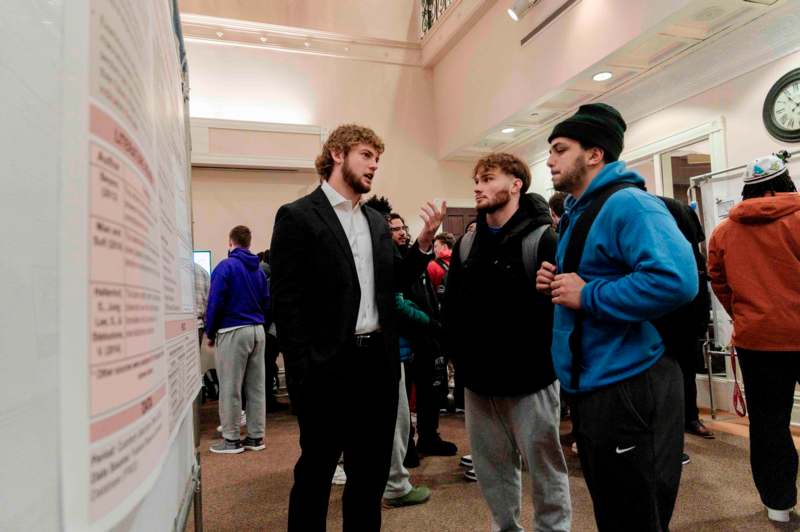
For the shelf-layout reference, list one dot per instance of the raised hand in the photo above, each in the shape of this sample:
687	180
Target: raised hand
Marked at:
432	217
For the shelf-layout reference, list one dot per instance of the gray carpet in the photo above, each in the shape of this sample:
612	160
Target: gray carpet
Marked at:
250	491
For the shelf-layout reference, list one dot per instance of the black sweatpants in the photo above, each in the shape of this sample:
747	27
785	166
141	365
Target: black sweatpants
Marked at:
349	406
630	439
769	381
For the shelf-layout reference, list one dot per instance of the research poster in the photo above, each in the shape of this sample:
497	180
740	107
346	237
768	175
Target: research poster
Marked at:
142	364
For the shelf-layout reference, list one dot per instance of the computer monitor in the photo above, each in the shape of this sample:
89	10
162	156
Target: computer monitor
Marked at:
203	259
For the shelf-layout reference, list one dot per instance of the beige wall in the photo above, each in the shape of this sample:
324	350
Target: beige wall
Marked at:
268	86
383	19
739	102
488	77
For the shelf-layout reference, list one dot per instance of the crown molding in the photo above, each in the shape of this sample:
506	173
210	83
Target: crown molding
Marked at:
232	32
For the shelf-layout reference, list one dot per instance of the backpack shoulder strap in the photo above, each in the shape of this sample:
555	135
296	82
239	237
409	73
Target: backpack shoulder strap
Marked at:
577	240
442	264
530	248
465	246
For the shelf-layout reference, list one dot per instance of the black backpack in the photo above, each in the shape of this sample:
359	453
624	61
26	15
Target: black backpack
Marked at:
690	317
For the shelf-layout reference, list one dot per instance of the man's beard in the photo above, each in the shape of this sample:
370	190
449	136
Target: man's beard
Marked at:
569	180
352	180
500	200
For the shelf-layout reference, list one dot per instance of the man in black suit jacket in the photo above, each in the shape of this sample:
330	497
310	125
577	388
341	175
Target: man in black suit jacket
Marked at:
334	275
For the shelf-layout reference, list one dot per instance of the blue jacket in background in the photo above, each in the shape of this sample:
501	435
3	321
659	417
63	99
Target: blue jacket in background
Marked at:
239	293
637	266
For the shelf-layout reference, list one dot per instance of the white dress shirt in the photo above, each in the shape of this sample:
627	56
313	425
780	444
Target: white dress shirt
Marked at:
354	223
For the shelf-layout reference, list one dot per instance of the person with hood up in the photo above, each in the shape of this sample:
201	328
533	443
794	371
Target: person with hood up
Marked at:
499	329
754	265
238	303
633	267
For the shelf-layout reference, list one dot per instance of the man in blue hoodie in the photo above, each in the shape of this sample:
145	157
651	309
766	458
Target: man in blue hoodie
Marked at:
237	305
627	398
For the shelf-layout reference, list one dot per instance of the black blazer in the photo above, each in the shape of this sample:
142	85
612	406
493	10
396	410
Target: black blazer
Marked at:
315	290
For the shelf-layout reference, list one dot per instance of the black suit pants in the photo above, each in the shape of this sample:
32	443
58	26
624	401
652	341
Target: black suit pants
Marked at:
347	405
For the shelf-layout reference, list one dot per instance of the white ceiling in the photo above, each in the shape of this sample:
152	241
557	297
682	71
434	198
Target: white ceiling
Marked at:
704	45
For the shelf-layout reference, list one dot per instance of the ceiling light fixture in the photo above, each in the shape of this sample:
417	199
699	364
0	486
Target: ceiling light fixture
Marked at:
603	76
220	34
507	130
520	8
307	44
263	39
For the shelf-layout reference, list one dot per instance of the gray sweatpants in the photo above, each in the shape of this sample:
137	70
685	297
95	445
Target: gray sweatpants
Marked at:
398	483
502	432
240	359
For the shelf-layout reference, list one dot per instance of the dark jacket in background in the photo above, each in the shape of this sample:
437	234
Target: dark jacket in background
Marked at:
497	327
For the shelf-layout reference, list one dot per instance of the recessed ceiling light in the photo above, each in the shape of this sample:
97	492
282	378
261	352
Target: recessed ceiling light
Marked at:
264	39
346	48
220	34
507	130
603	76
512	14
307	44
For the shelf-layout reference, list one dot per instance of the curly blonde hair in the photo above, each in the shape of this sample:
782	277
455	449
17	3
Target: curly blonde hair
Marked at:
508	164
341	140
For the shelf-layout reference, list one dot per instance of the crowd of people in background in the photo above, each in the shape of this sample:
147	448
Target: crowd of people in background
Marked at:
591	305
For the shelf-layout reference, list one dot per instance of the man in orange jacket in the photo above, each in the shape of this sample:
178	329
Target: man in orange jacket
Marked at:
754	265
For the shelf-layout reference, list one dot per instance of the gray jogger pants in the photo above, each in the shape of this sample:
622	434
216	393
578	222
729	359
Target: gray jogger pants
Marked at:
240	360
398	483
503	431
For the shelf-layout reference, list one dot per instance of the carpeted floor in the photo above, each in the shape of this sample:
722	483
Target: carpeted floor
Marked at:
250	491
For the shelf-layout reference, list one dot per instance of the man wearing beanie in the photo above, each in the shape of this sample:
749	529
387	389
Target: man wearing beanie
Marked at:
621	262
754	264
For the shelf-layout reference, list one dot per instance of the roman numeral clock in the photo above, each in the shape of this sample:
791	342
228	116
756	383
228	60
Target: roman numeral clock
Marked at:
781	113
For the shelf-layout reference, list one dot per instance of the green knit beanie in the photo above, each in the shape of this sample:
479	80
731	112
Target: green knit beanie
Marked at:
595	124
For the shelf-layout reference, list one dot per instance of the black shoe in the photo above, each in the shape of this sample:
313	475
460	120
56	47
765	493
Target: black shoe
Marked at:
412	458
685	458
698	429
436	447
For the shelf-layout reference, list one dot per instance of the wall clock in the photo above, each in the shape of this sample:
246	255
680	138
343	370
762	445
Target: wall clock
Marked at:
781	112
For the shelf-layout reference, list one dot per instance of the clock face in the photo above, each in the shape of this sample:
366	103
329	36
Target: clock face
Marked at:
781	113
786	109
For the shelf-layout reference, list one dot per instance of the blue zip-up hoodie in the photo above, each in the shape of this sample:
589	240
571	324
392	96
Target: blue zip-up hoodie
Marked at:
239	293
637	266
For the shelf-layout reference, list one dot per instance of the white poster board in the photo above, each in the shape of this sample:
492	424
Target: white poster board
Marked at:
130	347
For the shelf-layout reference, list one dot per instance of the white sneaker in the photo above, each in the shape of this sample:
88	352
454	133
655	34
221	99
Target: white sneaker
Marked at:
574	447
779	516
339	476
242	422
466	460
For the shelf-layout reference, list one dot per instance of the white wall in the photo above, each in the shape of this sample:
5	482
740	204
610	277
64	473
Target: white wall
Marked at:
269	86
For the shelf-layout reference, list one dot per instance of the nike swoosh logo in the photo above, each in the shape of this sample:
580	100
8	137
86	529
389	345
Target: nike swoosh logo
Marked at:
621	451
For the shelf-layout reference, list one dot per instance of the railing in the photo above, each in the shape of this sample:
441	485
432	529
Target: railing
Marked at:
430	12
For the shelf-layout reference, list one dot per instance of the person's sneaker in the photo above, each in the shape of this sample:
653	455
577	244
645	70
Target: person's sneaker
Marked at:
443	412
779	516
685	458
242	422
339	476
574	447
436	447
466	460
417	495
253	444
460	410
227	447
698	429
470	475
